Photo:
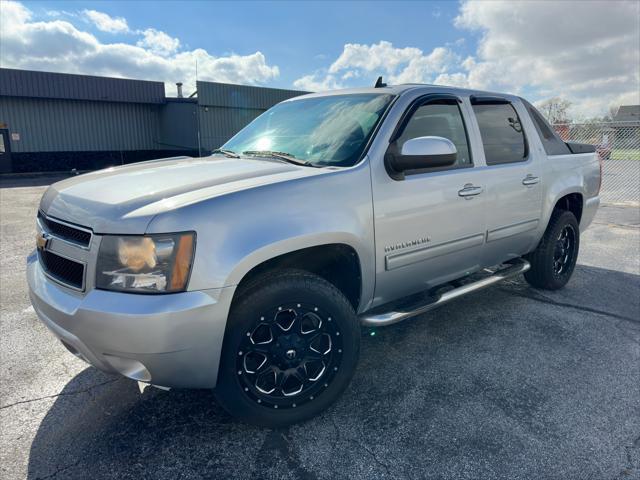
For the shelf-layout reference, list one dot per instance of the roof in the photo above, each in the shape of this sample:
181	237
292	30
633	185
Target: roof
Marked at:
628	113
400	89
28	83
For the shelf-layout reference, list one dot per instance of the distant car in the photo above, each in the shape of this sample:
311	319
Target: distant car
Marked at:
604	151
252	270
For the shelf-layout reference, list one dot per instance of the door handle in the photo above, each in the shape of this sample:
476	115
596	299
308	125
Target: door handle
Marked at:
530	180
470	190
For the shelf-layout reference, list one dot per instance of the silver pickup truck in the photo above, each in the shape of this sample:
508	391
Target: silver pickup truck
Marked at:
253	270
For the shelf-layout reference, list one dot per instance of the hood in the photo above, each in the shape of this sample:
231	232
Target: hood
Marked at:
125	199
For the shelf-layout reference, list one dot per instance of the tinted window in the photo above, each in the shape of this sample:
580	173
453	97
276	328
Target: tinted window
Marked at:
502	134
439	120
551	141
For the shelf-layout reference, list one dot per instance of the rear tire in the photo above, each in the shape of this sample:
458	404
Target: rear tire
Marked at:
291	347
553	261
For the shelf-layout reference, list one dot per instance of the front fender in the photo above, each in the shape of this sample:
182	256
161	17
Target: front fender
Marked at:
239	231
289	245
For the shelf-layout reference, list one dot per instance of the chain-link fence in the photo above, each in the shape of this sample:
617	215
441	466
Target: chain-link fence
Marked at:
618	144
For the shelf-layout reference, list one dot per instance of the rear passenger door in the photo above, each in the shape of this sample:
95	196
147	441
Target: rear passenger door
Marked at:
512	175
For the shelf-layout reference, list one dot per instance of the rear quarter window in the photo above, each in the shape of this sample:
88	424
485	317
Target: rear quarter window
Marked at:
551	141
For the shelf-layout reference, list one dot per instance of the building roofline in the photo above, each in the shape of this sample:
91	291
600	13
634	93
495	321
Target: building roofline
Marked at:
77	75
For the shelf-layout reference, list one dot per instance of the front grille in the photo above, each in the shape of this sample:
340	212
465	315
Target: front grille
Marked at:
62	269
65	231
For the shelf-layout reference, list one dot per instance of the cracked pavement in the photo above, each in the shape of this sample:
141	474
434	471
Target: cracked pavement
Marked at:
509	382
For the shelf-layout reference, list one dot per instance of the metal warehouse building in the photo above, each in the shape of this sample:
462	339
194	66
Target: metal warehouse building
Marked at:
56	121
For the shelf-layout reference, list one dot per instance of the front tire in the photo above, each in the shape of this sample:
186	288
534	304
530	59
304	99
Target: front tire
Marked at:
291	347
553	261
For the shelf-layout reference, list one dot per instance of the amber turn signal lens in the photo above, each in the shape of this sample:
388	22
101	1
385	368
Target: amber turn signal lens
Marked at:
182	264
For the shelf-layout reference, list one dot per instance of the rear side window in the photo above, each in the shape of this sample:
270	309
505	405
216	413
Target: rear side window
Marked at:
502	134
439	119
551	141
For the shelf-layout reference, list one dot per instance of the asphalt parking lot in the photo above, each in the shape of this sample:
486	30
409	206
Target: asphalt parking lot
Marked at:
506	383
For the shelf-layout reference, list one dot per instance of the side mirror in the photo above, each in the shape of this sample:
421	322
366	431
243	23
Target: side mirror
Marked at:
418	153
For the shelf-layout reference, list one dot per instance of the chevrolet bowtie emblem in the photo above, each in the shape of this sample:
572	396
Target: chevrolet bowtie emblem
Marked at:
42	240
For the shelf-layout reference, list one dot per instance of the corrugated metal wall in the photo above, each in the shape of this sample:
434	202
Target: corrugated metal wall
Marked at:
225	109
48	125
179	124
242	96
53	112
27	83
219	124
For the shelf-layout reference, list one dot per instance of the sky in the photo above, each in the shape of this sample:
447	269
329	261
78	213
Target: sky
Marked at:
586	52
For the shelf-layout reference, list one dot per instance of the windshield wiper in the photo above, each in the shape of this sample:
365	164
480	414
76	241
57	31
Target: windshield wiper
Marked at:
287	157
226	153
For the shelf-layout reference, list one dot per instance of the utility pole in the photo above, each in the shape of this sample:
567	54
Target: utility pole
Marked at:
198	112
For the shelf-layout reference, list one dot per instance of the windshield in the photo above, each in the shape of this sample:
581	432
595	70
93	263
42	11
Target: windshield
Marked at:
327	131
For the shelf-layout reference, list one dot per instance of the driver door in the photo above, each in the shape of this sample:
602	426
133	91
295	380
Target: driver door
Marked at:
430	225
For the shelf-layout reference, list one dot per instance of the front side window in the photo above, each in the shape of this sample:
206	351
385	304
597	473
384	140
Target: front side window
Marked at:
439	119
502	133
327	131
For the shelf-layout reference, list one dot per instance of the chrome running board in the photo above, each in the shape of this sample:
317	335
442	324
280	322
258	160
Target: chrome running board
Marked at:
371	319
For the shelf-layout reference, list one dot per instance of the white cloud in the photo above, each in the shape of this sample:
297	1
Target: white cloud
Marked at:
317	82
381	57
397	65
57	45
106	23
422	67
158	42
584	51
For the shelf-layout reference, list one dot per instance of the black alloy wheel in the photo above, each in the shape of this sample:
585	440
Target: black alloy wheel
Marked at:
290	356
554	259
564	251
291	347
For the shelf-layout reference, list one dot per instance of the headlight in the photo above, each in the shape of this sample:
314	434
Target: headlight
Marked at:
145	264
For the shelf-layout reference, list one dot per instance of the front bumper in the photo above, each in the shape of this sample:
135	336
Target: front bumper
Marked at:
171	340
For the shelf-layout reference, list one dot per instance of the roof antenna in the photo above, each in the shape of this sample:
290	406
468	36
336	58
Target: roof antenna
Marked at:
379	83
